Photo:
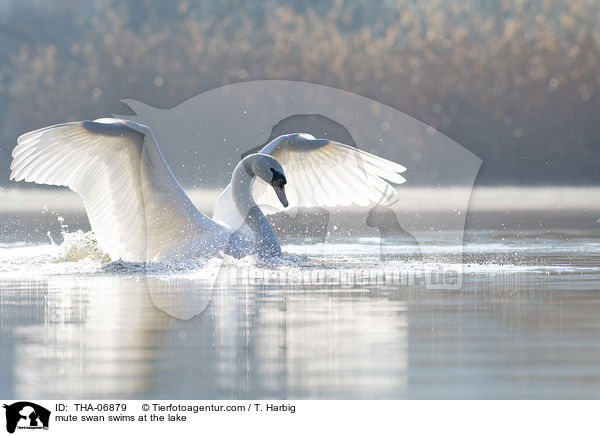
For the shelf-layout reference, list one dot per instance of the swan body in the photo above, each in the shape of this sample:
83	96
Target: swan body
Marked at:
140	213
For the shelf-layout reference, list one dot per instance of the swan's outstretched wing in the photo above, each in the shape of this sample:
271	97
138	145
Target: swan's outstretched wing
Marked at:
323	173
135	206
227	214
320	173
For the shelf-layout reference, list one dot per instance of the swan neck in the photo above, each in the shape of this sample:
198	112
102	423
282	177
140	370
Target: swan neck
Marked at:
267	243
241	188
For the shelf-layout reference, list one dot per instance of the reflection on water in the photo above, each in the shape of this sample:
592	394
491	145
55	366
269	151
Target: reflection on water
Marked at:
510	336
104	337
80	337
525	324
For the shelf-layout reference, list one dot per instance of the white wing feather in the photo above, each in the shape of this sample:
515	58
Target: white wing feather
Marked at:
320	173
330	174
135	206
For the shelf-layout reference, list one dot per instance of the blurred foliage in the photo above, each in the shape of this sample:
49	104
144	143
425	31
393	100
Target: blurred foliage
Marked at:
514	81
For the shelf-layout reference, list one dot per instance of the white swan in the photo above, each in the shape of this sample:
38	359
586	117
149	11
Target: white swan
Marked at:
139	212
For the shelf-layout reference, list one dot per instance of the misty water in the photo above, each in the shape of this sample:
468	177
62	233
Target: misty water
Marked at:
523	322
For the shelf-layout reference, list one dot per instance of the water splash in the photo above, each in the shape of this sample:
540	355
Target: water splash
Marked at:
80	245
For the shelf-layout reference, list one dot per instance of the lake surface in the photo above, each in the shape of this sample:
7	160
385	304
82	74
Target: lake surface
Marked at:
524	324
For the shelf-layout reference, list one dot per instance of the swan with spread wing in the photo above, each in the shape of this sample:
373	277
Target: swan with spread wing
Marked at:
139	212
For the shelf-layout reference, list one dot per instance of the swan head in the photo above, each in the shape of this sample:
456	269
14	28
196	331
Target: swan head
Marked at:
270	170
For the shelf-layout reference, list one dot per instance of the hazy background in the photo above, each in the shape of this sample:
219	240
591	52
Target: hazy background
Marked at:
515	82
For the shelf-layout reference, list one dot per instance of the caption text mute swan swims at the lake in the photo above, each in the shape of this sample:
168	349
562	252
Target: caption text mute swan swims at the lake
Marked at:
139	212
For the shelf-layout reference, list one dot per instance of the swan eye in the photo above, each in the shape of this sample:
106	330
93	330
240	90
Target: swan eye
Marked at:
278	176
